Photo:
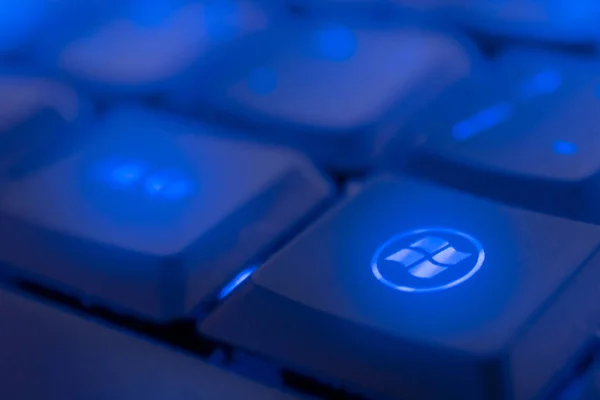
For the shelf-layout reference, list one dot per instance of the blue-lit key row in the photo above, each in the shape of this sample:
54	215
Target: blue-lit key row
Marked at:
543	83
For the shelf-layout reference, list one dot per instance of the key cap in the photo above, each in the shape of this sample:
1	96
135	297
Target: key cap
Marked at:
38	116
143	49
153	216
337	93
521	132
412	291
48	353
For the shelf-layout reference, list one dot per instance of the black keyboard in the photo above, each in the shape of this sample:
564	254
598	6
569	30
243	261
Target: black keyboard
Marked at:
299	199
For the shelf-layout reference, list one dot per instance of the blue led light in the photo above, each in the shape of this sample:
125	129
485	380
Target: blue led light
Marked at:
156	184
564	147
127	174
135	176
545	82
236	282
337	43
427	260
262	81
482	121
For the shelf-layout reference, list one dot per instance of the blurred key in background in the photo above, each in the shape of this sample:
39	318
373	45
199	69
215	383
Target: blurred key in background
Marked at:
138	46
334	91
557	20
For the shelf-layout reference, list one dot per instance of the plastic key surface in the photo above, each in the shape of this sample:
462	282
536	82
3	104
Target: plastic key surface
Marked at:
48	353
521	132
413	291
153	215
336	92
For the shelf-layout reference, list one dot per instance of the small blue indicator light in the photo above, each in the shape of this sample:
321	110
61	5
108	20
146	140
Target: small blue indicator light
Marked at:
427	260
337	43
135	176
263	81
482	121
564	147
127	174
156	184
545	82
236	282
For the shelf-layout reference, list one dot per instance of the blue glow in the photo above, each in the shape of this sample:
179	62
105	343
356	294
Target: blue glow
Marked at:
424	256
564	147
156	184
237	281
337	43
262	81
134	175
482	121
127	174
18	18
545	82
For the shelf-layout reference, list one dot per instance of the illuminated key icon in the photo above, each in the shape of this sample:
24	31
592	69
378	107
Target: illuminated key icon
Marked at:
428	257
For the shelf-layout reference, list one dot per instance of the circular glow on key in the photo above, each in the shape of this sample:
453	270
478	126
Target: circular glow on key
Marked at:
127	174
427	260
564	147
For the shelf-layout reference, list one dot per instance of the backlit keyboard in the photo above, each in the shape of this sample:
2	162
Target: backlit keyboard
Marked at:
299	199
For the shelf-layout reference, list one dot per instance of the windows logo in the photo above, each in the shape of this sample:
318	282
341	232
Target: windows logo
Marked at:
427	260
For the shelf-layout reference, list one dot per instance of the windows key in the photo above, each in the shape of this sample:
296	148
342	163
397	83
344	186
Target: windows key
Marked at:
413	291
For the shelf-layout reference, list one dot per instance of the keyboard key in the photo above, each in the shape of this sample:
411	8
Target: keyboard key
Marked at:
38	116
521	132
50	354
337	93
468	310
153	216
142	48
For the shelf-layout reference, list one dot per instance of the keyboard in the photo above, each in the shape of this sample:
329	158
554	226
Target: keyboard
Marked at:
299	199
